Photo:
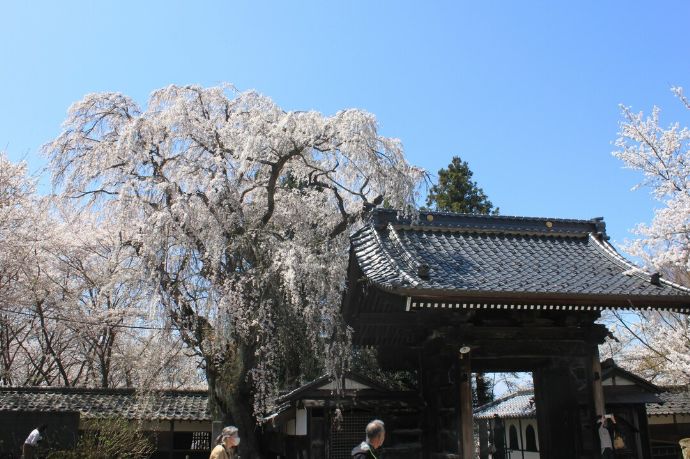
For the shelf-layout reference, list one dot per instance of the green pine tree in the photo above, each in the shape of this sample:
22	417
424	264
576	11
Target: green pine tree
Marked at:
456	192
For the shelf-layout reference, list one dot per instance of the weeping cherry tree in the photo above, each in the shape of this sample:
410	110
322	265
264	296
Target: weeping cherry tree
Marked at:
239	213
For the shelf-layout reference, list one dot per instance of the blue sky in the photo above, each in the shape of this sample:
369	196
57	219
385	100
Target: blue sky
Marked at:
526	92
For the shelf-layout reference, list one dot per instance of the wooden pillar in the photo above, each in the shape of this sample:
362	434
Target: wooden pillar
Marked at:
597	388
466	422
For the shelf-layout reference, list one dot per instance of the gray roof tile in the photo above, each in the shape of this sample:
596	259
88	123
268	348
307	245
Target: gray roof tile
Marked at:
674	402
99	403
519	404
473	253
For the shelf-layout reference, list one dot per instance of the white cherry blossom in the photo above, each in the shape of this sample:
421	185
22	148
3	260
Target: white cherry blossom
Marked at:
239	213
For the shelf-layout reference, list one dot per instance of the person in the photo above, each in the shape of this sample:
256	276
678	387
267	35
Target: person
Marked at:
605	436
227	442
498	433
31	442
685	447
375	435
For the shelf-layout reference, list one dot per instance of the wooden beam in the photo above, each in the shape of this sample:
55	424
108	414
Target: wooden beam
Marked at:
528	349
444	325
500	355
510	364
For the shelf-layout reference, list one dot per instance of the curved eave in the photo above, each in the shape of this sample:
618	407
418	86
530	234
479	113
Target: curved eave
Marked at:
617	258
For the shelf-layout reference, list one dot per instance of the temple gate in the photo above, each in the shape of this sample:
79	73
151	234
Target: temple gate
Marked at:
448	294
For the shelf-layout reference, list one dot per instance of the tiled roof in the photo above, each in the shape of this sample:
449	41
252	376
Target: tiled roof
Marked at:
99	403
674	402
475	254
519	404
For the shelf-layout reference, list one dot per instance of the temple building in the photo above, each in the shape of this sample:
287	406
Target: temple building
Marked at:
444	295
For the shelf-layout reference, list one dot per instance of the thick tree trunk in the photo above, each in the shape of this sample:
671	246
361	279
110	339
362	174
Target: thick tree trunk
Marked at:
231	399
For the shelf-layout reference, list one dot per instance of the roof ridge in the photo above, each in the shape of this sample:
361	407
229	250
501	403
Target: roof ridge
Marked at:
495	231
429	220
377	212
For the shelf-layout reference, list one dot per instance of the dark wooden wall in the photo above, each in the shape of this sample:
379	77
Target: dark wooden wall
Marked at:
439	387
62	431
560	432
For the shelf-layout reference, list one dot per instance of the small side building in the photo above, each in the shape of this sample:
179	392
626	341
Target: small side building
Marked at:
669	422
326	418
178	422
627	396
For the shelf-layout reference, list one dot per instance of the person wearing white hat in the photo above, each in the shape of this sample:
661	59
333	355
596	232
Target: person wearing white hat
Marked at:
227	442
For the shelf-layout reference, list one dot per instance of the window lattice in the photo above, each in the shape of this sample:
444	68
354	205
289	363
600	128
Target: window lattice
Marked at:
201	441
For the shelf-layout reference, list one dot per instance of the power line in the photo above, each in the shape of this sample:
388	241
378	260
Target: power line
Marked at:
82	322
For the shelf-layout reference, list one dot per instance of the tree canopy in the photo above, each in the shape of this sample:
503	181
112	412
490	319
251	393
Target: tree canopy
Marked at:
71	306
656	344
456	192
237	213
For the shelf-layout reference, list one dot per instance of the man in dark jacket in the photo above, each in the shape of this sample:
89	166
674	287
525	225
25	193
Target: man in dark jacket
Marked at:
376	433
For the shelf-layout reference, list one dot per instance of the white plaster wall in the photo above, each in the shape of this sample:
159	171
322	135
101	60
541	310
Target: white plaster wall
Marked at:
301	422
617	381
665	419
668	419
297	425
521	427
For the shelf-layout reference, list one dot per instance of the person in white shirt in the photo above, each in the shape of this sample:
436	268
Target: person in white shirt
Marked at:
31	442
605	436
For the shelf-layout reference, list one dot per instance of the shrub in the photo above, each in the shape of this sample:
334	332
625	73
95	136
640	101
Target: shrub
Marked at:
115	438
